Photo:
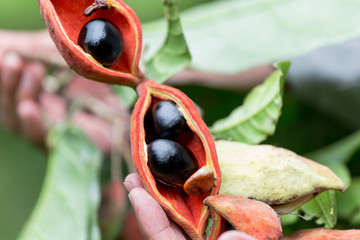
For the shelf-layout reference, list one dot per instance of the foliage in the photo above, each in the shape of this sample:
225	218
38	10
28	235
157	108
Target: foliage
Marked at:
323	207
230	36
68	203
235	33
21	175
170	59
253	121
174	54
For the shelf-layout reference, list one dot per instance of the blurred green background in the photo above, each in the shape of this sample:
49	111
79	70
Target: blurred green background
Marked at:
22	166
23	14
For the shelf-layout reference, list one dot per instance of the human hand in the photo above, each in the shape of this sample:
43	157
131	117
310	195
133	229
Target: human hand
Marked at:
27	108
148	212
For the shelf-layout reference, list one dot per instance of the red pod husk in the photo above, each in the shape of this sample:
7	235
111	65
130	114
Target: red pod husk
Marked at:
247	215
65	19
217	227
186	210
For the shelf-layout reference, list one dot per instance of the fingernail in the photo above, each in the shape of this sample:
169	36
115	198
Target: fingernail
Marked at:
130	198
128	186
11	59
13	64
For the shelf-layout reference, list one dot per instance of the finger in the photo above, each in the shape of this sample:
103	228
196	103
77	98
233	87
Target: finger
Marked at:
30	81
178	231
235	235
46	49
32	45
30	121
132	181
113	101
80	86
98	130
11	68
152	220
243	80
53	108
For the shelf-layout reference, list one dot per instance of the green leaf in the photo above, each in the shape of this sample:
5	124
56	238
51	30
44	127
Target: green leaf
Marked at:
170	59
290	218
22	171
67	207
257	117
348	202
356	219
323	208
174	55
127	95
338	152
334	156
230	36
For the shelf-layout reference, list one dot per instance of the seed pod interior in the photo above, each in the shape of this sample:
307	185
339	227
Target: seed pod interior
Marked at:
187	137
168	121
102	40
170	162
186	210
65	20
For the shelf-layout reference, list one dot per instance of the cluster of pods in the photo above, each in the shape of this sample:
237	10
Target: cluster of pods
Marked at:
172	148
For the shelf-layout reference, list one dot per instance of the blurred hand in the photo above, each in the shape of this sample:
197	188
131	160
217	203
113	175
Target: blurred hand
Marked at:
148	212
31	45
26	108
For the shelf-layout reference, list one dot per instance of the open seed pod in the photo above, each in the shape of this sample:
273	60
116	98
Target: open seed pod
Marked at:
65	20
247	215
272	175
181	199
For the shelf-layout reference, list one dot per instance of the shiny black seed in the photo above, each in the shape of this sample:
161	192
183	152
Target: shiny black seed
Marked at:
102	40
170	162
168	120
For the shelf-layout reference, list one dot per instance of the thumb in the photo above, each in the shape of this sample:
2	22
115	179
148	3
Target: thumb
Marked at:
235	235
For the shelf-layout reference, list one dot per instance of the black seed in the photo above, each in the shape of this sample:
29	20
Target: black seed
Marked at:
102	40
168	120
170	162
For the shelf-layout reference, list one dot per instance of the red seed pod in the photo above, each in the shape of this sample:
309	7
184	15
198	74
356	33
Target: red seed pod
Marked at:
65	20
182	200
184	206
247	215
